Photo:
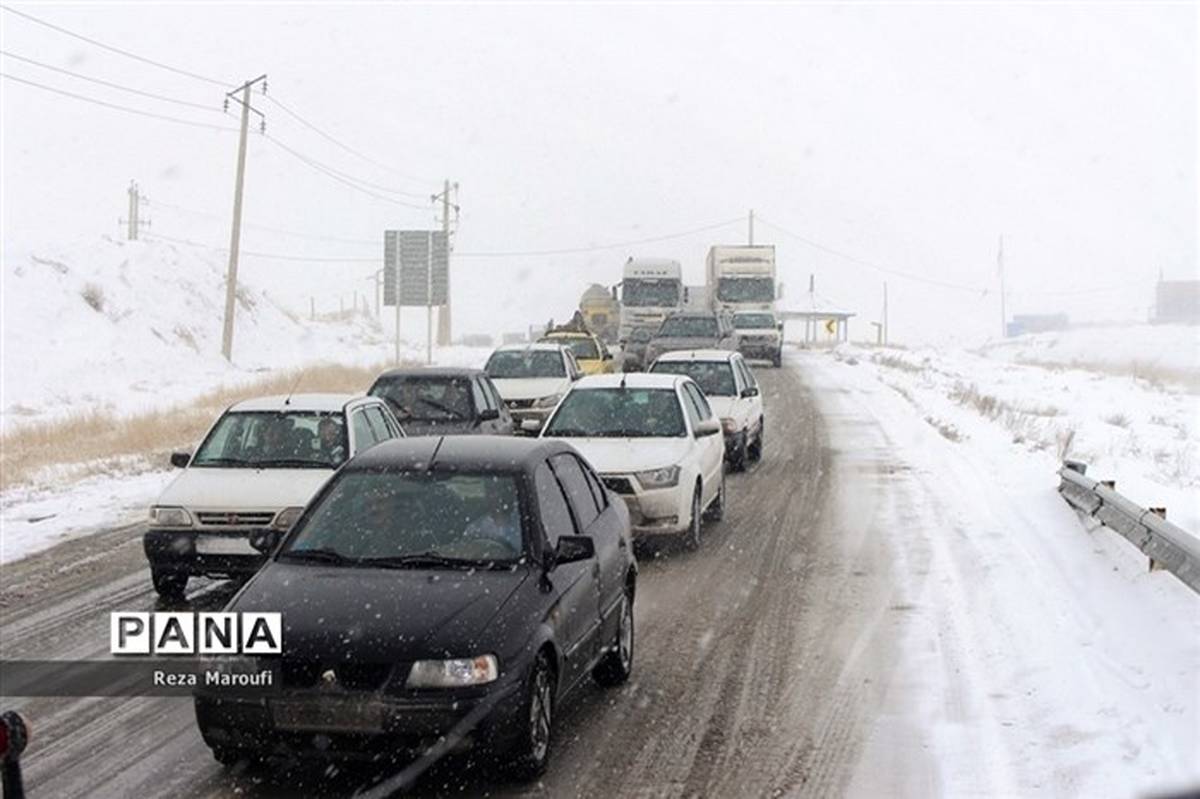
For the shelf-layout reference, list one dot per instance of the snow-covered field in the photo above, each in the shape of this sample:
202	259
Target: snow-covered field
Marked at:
1040	656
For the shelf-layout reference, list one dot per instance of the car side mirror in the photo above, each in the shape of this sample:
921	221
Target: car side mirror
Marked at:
575	376
180	459
265	541
531	426
574	548
750	391
708	427
489	414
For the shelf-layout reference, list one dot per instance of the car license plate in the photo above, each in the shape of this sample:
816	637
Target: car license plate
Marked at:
224	545
328	714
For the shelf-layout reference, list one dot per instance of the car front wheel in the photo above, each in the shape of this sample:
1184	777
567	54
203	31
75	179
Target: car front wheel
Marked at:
168	585
531	753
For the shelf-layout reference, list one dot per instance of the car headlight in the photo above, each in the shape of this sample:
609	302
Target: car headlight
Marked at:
169	517
454	673
729	426
548	402
286	518
659	478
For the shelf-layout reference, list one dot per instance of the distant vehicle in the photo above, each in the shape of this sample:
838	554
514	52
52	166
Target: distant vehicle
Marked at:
733	393
444	401
602	312
498	575
692	330
532	378
589	351
760	336
655	441
633	354
258	466
741	278
651	288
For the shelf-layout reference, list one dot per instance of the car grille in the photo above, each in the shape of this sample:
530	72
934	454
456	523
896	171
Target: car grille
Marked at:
758	339
525	403
233	518
350	676
621	485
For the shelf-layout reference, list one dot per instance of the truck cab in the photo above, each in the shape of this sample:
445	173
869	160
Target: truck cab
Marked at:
651	288
742	278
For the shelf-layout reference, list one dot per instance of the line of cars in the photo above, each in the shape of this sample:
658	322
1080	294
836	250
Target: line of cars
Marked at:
442	578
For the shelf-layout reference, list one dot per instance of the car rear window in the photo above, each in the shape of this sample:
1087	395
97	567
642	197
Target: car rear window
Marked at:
525	363
689	327
426	399
618	413
715	378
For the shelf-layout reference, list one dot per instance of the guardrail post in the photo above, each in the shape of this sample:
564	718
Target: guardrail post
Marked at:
1161	512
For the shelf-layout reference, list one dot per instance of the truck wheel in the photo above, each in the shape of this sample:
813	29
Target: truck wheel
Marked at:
777	359
169	585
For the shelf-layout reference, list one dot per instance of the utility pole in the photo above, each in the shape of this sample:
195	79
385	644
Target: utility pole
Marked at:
1000	269
444	333
236	235
751	227
134	222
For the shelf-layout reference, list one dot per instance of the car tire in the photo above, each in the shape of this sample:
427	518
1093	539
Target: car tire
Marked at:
737	462
716	511
228	756
692	538
777	360
617	664
169	585
756	449
530	755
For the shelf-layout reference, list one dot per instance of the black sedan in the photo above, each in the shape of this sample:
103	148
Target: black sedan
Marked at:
441	401
454	589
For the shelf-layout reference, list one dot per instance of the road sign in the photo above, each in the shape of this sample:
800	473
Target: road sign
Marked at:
418	262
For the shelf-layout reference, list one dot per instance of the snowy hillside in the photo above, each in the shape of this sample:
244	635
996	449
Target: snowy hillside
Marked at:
1157	353
130	325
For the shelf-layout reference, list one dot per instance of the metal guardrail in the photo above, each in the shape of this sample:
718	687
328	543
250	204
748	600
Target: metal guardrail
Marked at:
1167	545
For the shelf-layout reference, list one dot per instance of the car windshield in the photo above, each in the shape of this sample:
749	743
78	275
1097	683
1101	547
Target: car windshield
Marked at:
584	348
426	399
753	321
746	289
420	519
689	327
525	363
618	413
715	378
287	439
641	292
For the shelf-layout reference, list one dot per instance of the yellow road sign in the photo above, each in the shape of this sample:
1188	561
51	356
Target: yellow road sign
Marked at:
830	326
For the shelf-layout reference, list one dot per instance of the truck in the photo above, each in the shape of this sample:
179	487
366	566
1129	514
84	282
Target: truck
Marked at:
697	298
741	277
651	288
601	312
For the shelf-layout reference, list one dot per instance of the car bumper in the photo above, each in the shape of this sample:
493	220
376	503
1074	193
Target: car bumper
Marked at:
760	349
363	725
192	552
655	512
733	443
521	414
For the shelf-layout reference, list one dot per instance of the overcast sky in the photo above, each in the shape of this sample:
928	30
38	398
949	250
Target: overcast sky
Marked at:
909	137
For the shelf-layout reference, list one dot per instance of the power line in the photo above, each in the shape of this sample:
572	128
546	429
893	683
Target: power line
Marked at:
598	247
271	255
113	49
344	146
884	269
338	176
117	106
109	84
269	229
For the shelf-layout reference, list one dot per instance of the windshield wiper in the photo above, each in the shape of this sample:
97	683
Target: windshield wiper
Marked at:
419	559
437	406
319	554
221	462
287	462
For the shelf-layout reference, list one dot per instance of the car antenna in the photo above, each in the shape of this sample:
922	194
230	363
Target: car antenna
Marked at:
436	449
623	379
288	399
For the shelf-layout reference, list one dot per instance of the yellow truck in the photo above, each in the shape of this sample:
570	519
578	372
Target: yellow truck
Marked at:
601	312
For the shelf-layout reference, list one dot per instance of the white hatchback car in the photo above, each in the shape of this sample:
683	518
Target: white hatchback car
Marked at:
258	466
532	378
732	392
654	441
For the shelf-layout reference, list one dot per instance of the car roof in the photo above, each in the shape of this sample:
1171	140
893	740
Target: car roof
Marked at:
629	380
565	334
696	314
296	402
431	371
510	454
697	355
537	346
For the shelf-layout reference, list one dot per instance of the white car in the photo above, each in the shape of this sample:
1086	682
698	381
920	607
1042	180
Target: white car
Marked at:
654	441
732	392
532	378
250	478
